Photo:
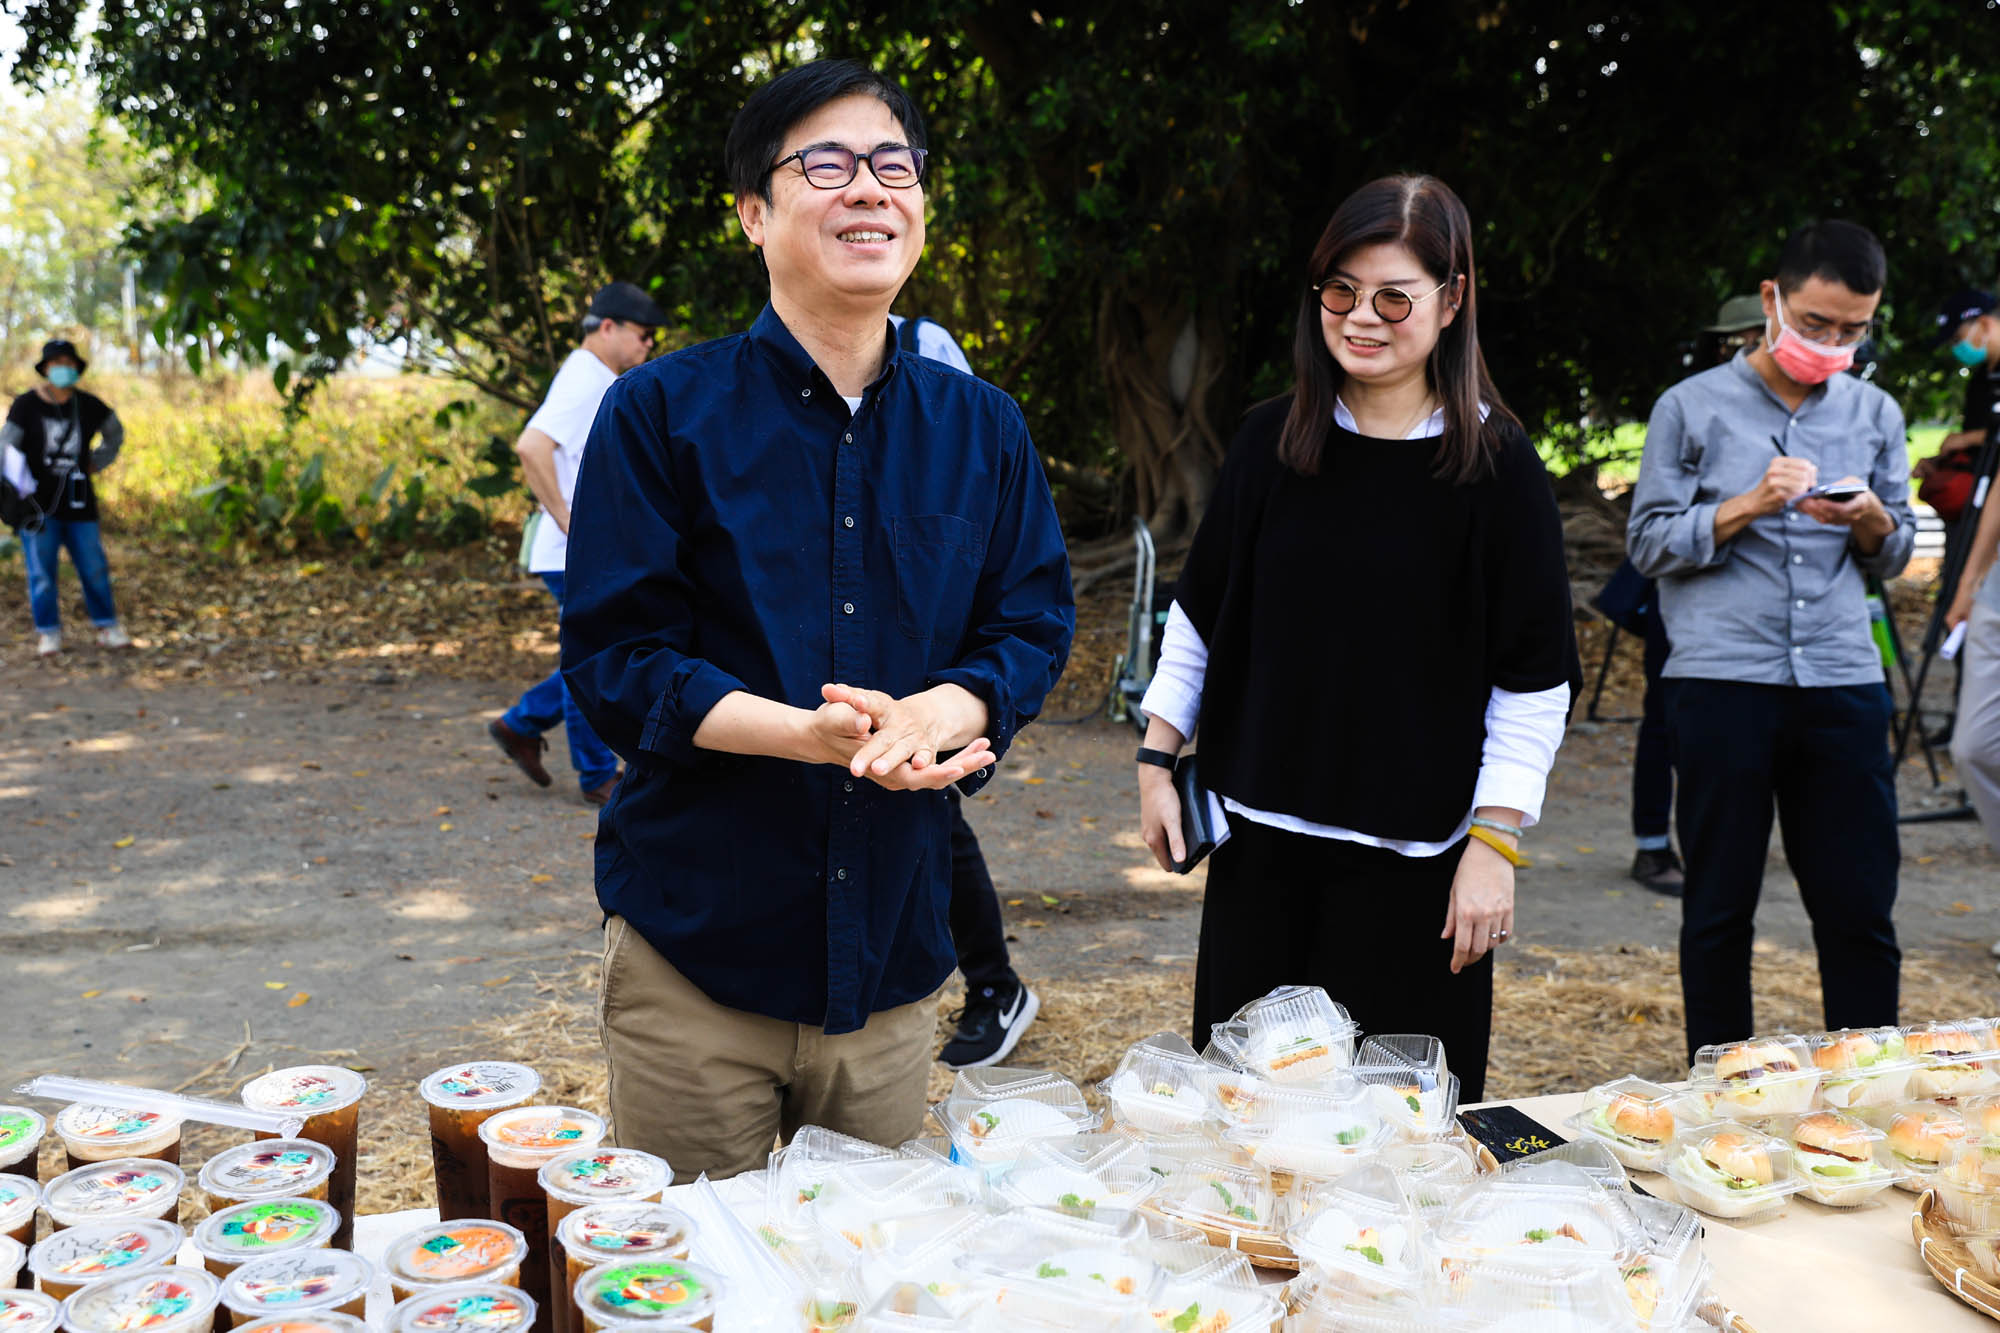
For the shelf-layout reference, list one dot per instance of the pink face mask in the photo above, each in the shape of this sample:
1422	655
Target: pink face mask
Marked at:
1806	362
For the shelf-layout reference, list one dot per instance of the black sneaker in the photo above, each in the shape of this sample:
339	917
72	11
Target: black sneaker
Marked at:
1659	870
989	1027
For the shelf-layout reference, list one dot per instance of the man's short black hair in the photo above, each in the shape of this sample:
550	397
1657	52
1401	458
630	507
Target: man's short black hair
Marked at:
758	132
1842	252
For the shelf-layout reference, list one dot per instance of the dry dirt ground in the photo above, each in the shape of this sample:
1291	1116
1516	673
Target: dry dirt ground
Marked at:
236	848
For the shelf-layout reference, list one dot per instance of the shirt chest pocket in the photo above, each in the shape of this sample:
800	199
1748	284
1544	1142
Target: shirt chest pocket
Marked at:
938	559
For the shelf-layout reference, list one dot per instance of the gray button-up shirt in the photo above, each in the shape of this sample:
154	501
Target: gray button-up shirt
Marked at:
1781	602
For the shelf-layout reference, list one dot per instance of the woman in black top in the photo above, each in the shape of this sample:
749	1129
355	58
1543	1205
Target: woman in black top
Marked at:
1374	628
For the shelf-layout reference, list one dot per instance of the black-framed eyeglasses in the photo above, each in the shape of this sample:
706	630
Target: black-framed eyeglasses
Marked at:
1338	296
830	167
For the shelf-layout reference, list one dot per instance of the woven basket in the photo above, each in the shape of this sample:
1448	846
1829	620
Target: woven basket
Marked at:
1947	1258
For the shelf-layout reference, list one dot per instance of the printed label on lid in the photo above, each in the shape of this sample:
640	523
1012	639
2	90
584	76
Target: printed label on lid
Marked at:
111	1189
543	1131
646	1288
459	1253
266	1226
612	1171
316	1278
639	1237
109	1122
12	1194
16	1128
136	1305
480	1311
312	1089
27	1312
76	1253
260	1167
485	1082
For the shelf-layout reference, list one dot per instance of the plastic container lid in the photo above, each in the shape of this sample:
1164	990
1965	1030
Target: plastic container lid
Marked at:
1591	1156
249	1231
911	1307
1839	1160
993	1114
1731	1170
1582	1295
20	1129
268	1169
307	1321
1862	1066
538	1133
473	1307
19	1197
1761	1077
854	1196
28	1311
597	1175
93	1251
800	1168
1919	1134
480	1084
1296	1034
1312	1132
1160	1086
306	1090
1231	1084
603	1233
1101	1151
1954	1059
121	1187
1214	1305
1415	1102
1364	1227
169	1298
106	1128
1432	1175
1980	1114
652	1291
924	1251
1039	1182
1634	1119
1412	1049
300	1280
1221	1196
1558	1218
447	1254
13	1254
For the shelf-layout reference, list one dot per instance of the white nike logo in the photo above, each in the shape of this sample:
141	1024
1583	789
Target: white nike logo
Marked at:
1008	1015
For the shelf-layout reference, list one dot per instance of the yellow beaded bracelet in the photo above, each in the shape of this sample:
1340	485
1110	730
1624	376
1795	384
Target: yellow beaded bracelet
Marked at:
1499	844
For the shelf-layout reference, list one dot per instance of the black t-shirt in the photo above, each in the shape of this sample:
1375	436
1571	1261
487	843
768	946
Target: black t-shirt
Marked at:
1357	622
1980	389
56	440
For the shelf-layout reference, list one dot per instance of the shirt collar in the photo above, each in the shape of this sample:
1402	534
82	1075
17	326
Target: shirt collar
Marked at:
770	333
1740	365
1430	426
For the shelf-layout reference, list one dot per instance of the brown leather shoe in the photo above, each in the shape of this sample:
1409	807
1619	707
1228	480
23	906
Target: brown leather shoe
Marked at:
599	795
525	751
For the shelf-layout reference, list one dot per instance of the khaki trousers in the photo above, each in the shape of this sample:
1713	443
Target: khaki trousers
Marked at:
712	1088
1975	736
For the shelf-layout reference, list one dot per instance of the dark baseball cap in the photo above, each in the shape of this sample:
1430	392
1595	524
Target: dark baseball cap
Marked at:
624	300
56	347
1962	305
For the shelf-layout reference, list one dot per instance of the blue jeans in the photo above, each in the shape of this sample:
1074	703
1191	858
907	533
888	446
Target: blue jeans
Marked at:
86	551
549	705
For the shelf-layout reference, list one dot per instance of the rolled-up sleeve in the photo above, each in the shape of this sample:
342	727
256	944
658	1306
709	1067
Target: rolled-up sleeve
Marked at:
1671	530
628	605
1889	478
1024	614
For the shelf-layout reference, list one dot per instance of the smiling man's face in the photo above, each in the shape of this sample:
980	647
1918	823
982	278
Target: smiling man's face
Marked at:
846	250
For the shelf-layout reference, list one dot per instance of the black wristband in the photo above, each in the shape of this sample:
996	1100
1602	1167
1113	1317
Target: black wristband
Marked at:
1157	758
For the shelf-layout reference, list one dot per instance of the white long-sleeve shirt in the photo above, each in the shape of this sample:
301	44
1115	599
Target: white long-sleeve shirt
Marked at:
1523	731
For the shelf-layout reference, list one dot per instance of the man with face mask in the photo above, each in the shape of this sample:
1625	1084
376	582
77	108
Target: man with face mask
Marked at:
1775	686
56	438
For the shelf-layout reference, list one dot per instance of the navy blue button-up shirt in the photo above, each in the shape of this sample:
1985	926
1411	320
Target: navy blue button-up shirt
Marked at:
736	529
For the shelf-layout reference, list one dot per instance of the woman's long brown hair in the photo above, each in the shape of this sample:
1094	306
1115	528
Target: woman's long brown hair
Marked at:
1421	213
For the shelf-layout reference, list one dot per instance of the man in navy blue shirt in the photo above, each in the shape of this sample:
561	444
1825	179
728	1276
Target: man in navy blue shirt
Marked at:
812	582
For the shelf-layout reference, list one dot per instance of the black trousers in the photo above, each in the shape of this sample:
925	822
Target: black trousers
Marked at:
977	932
1823	753
1653	760
1284	908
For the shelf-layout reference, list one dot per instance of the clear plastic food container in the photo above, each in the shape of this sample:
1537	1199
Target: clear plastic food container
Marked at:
1213	1307
173	1299
1232	1085
1862	1067
1536	1223
655	1291
1161	1086
1968	1184
1365	1227
1295	1035
470	1308
799	1169
924	1252
1102	1151
1731	1171
1591	1156
1393	1049
125	1187
1668	1281
1042	1307
1038	1182
1764	1076
1578	1294
1432	1175
1222	1198
1840	1160
1635	1120
1954	1059
267	1169
1415	1102
1302	1131
1983	1246
19	1198
1918	1135
992	1115
853	1197
1980	1114
910	1307
95	1251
